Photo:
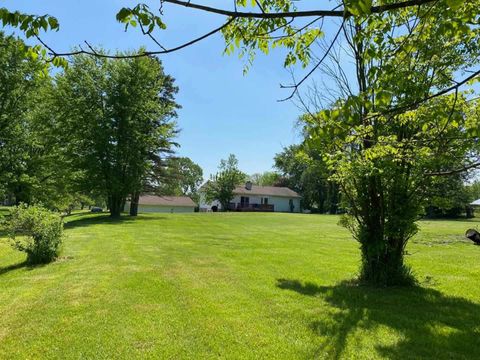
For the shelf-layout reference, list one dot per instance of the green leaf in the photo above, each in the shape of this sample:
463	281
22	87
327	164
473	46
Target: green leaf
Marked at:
359	7
454	4
383	98
123	15
53	22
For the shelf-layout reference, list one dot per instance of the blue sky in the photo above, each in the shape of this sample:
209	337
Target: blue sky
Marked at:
223	111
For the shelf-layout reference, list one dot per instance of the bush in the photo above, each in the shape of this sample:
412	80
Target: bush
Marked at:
36	231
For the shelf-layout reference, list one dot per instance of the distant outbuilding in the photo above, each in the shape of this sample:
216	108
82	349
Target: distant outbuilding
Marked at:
164	204
475	203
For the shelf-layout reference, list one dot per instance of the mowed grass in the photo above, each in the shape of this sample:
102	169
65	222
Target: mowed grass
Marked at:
239	286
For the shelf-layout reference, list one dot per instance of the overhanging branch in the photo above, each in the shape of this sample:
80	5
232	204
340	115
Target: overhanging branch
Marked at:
265	15
455	171
297	85
93	52
416	104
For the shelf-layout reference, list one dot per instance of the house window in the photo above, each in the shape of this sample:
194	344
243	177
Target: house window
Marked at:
244	201
264	201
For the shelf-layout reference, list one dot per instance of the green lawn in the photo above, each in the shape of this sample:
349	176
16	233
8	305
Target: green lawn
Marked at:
236	285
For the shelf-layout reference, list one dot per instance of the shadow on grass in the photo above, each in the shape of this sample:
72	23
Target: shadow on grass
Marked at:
427	323
6	269
81	220
20	265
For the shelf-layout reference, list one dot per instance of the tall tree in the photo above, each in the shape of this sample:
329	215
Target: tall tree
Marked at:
20	80
223	183
188	176
305	171
45	176
267	178
175	176
119	117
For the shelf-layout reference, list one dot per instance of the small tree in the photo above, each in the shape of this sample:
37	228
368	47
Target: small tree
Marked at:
387	176
36	231
221	185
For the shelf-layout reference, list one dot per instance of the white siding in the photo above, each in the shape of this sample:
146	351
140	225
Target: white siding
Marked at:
280	204
204	205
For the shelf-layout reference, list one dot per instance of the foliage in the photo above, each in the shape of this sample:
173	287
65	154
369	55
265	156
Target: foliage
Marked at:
221	185
36	231
249	35
19	83
46	158
447	196
386	178
267	178
181	177
33	168
118	119
473	191
305	171
31	25
190	175
386	142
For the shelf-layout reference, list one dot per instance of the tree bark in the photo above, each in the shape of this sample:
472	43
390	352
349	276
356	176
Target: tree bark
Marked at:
115	205
134	203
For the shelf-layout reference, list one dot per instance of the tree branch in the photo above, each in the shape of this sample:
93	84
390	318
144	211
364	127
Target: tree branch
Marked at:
455	171
92	52
264	15
296	86
417	103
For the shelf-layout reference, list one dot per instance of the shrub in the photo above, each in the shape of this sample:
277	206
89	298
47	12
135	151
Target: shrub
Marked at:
36	231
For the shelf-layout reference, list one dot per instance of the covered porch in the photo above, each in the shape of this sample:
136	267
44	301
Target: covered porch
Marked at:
250	207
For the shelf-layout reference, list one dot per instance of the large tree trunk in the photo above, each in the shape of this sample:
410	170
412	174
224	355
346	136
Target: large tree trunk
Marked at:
134	203
115	205
382	262
383	233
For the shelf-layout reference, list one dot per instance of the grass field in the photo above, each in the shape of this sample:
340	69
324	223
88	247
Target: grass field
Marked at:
237	285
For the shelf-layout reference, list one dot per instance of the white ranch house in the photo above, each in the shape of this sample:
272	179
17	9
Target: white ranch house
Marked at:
163	204
250	197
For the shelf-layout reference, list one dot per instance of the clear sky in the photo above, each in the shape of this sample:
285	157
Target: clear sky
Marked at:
223	111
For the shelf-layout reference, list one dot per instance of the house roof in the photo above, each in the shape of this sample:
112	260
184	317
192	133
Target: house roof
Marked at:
166	200
476	202
266	191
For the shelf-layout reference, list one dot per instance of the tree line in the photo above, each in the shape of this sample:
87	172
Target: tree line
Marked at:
97	132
